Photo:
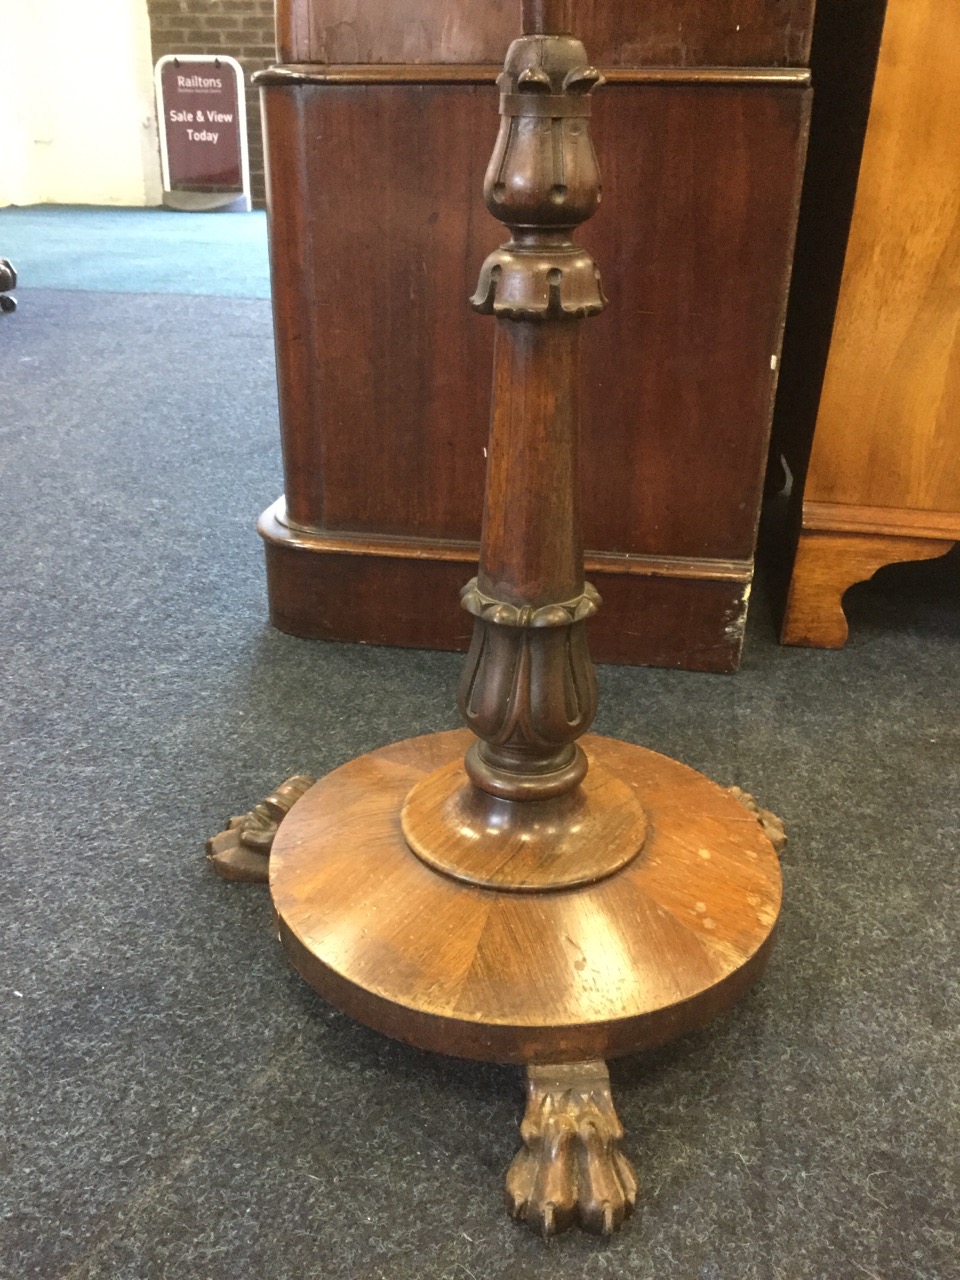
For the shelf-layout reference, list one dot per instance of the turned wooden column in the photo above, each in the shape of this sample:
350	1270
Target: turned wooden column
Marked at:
528	689
545	17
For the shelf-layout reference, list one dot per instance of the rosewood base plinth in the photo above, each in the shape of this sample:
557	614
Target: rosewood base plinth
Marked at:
653	950
673	928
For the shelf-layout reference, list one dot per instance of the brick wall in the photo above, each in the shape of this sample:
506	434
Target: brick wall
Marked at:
241	28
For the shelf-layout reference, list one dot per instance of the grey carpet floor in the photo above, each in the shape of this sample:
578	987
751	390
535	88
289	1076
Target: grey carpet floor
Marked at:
136	250
177	1104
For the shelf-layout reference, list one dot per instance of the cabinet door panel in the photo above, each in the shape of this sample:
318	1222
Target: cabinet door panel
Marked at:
681	33
377	245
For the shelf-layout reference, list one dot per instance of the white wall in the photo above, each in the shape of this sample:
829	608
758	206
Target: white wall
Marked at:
77	114
14	149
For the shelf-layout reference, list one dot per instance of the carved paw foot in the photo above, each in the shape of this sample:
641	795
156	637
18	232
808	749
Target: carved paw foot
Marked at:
242	851
570	1169
773	827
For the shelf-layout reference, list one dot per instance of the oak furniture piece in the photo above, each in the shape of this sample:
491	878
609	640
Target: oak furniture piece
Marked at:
377	124
521	890
883	482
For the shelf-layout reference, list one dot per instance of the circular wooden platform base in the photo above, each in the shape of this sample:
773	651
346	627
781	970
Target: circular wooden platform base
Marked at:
656	949
560	843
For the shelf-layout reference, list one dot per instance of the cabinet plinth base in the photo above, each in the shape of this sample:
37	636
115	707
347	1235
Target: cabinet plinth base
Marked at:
651	951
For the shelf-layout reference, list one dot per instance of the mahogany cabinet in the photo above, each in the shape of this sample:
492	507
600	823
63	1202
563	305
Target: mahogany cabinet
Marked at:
384	370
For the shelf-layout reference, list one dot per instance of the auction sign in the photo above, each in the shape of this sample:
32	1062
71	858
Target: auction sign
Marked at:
203	134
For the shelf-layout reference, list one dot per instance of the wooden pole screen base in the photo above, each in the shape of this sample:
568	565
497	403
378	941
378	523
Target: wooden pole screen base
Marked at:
520	892
647	953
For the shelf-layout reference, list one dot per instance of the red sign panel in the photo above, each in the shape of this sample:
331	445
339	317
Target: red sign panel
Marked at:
200	109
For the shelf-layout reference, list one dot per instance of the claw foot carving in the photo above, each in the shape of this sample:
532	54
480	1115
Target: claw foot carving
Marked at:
570	1170
773	827
242	850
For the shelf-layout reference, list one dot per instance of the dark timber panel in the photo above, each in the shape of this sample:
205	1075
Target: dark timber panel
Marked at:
384	369
683	33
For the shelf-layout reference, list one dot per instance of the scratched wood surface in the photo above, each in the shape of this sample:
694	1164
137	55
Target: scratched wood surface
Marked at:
660	610
654	950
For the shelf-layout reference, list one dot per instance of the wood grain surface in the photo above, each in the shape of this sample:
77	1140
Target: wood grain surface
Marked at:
661	610
843	58
380	359
883	482
828	564
547	17
383	395
654	950
887	429
521	848
618	33
483	73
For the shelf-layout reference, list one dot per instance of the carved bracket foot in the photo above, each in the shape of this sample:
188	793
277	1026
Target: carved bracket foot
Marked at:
773	827
827	564
242	850
570	1170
